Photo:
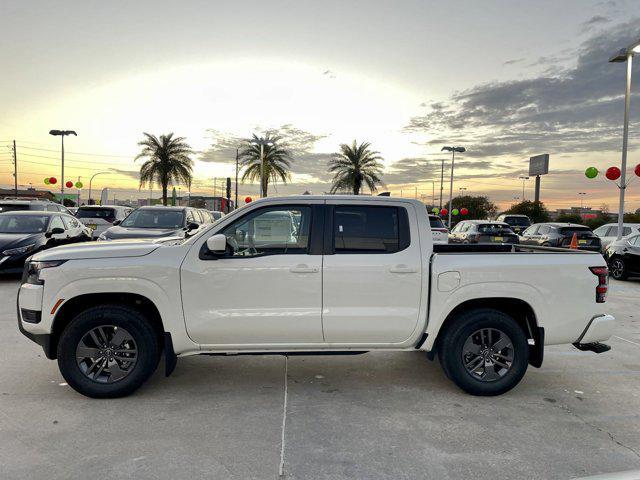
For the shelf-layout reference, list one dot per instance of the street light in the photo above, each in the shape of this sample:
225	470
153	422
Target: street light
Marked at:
62	134
262	143
453	151
462	189
625	55
581	194
91	180
524	178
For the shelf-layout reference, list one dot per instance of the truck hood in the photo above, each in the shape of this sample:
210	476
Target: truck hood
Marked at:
118	232
114	249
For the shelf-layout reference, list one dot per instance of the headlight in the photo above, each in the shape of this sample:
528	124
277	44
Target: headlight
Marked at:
19	250
32	271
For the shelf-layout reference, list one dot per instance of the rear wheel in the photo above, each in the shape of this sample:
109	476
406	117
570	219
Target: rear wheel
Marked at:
108	351
484	352
618	268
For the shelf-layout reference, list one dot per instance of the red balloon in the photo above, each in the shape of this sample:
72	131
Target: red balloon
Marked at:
248	200
53	180
637	170
444	212
613	173
68	184
464	211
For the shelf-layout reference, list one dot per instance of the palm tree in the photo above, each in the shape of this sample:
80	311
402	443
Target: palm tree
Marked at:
277	160
167	162
355	165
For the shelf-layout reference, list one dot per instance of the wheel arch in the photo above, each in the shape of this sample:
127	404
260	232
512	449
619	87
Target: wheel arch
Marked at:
521	311
78	304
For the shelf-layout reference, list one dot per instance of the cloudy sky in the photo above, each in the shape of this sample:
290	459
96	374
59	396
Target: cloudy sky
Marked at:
505	79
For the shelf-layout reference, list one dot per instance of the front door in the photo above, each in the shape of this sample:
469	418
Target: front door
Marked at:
372	275
267	288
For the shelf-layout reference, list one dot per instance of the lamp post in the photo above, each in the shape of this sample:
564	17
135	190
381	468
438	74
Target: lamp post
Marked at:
91	180
441	180
524	178
453	151
625	55
62	134
462	189
581	194
262	142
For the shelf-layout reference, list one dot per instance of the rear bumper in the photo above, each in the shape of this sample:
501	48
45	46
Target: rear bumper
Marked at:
599	329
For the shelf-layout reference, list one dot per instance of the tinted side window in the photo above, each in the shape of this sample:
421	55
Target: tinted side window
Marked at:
531	230
543	230
190	217
360	229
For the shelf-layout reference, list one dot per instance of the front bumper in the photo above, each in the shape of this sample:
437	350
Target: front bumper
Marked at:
30	301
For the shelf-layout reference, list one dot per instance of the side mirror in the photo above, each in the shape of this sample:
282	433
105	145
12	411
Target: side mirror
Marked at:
54	231
117	222
217	243
193	226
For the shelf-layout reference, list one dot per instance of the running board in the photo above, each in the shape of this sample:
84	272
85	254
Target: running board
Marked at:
593	347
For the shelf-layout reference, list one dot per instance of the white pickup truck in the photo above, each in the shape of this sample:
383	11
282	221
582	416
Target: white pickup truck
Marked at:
310	274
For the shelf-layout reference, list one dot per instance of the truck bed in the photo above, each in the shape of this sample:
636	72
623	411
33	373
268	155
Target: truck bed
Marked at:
499	248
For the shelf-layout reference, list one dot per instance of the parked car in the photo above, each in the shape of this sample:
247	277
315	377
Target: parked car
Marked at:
17	205
482	231
355	274
439	231
518	223
623	257
155	222
560	235
609	232
24	233
100	217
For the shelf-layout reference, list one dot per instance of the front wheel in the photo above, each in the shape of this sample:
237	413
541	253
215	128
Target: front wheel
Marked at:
484	352
108	351
618	269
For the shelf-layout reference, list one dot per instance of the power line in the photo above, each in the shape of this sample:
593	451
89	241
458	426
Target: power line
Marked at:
80	153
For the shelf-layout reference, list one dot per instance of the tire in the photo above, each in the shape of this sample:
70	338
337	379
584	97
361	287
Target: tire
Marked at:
618	269
117	365
465	341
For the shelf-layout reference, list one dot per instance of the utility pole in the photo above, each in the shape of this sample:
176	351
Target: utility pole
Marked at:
237	159
78	204
441	181
15	169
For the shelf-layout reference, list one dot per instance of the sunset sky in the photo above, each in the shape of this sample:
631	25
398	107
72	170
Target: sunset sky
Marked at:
505	79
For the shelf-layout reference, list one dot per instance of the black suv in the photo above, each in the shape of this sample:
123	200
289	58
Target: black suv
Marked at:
482	231
560	235
518	223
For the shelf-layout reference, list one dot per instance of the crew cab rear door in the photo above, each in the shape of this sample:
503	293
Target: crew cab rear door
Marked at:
372	272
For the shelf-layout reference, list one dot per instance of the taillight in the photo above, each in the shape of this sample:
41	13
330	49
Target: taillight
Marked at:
603	283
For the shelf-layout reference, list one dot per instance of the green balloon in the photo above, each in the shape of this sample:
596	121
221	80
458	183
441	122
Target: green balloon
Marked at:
435	210
79	185
591	172
46	181
455	211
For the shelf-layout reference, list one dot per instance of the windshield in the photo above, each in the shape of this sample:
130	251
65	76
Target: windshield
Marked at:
154	218
106	213
493	228
23	223
436	222
518	221
13	207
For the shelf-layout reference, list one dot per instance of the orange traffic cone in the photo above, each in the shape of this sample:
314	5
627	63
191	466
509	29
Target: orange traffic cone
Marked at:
574	241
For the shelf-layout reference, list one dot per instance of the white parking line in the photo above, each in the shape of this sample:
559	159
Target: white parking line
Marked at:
629	341
284	415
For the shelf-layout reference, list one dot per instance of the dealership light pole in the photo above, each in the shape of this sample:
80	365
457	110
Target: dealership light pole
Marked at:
625	55
524	178
91	180
453	151
581	194
441	180
62	134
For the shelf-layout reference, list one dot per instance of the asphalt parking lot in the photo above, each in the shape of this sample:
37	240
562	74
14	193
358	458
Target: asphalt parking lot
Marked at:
383	415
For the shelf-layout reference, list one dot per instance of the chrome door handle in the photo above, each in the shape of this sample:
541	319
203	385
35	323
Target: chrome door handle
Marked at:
302	268
403	269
